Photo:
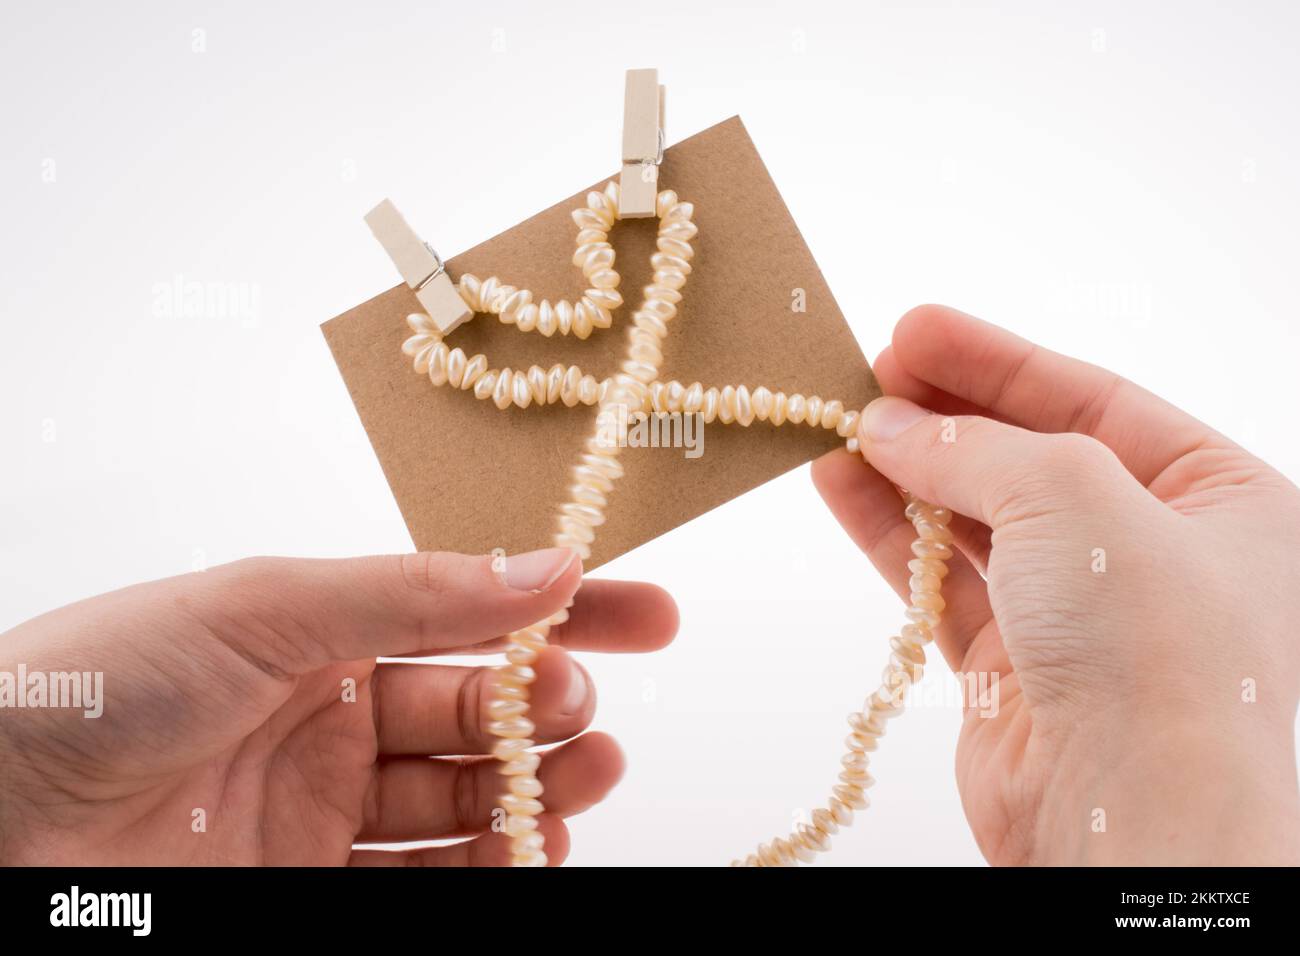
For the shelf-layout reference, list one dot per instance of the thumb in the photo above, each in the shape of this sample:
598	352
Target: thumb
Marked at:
985	469
292	615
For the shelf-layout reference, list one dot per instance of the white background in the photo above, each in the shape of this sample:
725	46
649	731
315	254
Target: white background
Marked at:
1117	181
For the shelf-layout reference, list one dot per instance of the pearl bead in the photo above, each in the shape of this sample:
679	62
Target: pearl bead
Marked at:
924	582
744	407
915	633
582	324
437	371
421	324
510	691
485	385
672	278
515	674
683	231
824	822
931	566
727	405
662	262
604	279
487	294
518	825
663	309
468	288
517	300
848	425
502	709
520	655
546	323
526	317
525	763
851	796
678	212
861	743
795	408
813	411
599	203
928	600
662	293
709	405
676	248
780	409
588	219
564	315
474	370
840	811
527	843
522	785
417	343
604	298
456	362
516	805
931	549
812	838
832	412
537	384
511	727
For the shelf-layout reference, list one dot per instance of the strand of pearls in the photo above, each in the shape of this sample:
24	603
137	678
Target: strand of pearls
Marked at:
932	548
594	476
595	257
636	387
569	384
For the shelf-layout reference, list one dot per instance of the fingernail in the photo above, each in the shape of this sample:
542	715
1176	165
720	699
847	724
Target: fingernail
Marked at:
538	570
886	418
575	698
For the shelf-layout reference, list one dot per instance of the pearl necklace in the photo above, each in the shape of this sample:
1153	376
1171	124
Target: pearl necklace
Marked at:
636	387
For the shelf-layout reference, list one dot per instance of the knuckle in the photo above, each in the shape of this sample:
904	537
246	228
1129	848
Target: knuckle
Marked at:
466	795
469	708
438	572
1074	455
419	571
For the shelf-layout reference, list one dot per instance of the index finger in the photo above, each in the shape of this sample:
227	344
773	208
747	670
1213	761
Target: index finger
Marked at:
993	372
614	617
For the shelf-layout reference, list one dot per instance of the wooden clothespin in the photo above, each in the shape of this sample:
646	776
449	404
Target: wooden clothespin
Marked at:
420	266
643	144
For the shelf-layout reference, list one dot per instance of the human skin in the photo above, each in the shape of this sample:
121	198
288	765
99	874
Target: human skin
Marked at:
225	692
1126	572
1119	691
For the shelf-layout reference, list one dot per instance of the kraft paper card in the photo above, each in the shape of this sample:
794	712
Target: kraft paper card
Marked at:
469	477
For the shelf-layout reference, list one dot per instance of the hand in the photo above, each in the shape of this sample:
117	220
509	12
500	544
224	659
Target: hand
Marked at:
248	698
1139	610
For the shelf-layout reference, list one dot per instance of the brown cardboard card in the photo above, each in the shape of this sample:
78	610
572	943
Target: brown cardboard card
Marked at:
469	477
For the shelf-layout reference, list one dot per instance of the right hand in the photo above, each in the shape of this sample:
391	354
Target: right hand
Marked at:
1140	605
